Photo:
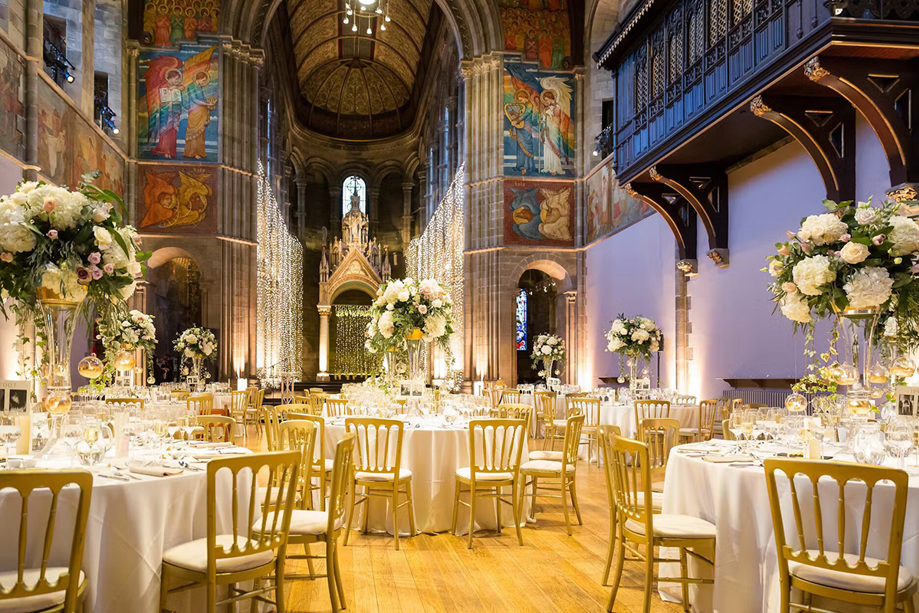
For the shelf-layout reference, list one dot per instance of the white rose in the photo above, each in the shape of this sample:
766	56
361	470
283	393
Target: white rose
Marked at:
546	350
810	273
854	253
437	303
422	309
189	353
865	216
776	268
904	235
404	295
890	327
869	287
795	308
386	325
822	229
103	238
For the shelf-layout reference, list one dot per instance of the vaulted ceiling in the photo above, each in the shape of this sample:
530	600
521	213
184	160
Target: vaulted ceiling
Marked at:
356	85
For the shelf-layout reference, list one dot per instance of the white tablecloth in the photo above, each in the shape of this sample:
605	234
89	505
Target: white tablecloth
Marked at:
746	564
433	455
623	415
130	525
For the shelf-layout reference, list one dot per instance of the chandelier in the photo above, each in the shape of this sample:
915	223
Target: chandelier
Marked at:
366	10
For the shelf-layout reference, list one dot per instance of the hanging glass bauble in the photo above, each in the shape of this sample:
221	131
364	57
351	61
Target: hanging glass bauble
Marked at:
91	367
848	374
878	374
903	367
124	360
796	403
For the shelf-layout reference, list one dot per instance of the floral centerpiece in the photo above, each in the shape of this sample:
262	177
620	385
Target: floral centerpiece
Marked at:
407	312
633	339
62	252
548	349
859	263
196	344
123	337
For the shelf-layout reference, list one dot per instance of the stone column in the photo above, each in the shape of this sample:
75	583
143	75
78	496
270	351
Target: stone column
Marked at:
682	350
571	336
406	213
335	206
324	312
423	207
373	208
34	45
301	208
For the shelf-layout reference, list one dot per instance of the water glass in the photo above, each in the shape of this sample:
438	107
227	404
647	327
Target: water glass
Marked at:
899	441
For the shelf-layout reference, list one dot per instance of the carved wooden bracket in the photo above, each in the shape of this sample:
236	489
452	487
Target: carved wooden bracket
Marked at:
675	210
706	191
883	92
825	127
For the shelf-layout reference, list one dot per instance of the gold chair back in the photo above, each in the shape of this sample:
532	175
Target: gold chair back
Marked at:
126	403
300	435
651	409
342	469
337	407
659	436
605	434
378	444
271	415
42	483
316	390
628	470
253	535
708	410
238	402
806	543
572	444
302	398
726	430
496	445
686	400
588	407
510	396
179	395
286	409
217	427
203	404
545	403
317	402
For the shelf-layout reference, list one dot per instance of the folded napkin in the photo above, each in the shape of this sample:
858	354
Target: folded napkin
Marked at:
156	470
727	459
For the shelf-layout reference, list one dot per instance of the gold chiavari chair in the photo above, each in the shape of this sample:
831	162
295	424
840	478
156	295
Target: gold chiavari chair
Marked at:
337	407
590	409
317	402
651	409
216	428
238	412
817	568
494	396
685	400
302	398
308	527
321	469
286	409
126	403
560	474
378	470
706	428
316	390
202	404
638	526
660	436
179	395
517	411
510	396
271	416
252	405
297	435
754	406
254	548
47	587
495	467
726	430
545	403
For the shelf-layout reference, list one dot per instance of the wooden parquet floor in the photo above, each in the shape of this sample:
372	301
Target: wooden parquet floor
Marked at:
551	573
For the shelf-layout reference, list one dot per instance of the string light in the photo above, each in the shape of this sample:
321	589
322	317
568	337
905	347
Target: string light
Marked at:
350	358
438	254
279	289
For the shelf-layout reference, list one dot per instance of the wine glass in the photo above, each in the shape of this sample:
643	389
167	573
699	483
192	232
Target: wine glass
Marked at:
748	423
72	432
91	446
899	441
736	425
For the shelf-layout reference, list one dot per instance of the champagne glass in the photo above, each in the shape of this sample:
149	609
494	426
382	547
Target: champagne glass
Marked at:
748	424
90	448
736	425
899	441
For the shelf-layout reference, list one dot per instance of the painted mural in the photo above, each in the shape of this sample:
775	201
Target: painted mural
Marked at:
167	22
177	104
539	29
177	199
69	146
11	94
539	213
609	207
539	129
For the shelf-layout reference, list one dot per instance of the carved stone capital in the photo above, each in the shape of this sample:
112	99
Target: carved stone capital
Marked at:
904	192
689	267
324	310
719	256
814	70
655	175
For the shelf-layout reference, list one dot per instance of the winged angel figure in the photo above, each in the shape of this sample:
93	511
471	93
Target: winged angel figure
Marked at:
556	123
175	90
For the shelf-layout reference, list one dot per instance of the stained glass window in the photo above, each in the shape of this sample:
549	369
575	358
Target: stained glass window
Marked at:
522	320
352	184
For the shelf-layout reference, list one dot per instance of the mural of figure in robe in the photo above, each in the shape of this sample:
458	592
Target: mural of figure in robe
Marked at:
199	116
523	132
539	213
556	120
178	201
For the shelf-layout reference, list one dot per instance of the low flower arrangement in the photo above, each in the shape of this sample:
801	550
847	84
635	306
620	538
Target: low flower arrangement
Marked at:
134	330
403	309
635	337
547	350
196	344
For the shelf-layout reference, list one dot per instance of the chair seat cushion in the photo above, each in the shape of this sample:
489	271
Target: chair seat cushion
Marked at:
193	555
657	500
560	423
38	602
465	474
688	431
404	474
843	580
304	522
675	527
545	466
555	456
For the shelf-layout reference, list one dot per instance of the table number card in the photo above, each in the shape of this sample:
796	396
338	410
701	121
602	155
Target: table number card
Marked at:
411	388
14	396
907	400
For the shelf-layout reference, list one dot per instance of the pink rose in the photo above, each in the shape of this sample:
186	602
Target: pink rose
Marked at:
806	248
790	234
109	269
48	204
52	234
95	257
880	238
845	238
784	250
6	256
95	272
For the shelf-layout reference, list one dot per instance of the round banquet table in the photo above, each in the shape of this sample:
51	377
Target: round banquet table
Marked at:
433	454
131	523
734	498
623	415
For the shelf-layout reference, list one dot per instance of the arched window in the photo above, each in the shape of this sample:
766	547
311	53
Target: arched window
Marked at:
353	184
521	320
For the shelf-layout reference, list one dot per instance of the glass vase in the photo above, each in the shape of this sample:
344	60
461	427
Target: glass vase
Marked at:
857	331
195	375
58	318
415	347
548	366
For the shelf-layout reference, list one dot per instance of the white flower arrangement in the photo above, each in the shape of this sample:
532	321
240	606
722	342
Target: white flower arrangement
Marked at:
132	331
638	336
548	348
405	305
195	343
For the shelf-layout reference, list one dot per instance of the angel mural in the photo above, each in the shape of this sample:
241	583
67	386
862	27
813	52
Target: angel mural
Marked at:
180	99
555	122
539	212
178	199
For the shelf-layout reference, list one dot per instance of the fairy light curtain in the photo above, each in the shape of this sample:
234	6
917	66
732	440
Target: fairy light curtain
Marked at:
279	291
438	254
349	357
